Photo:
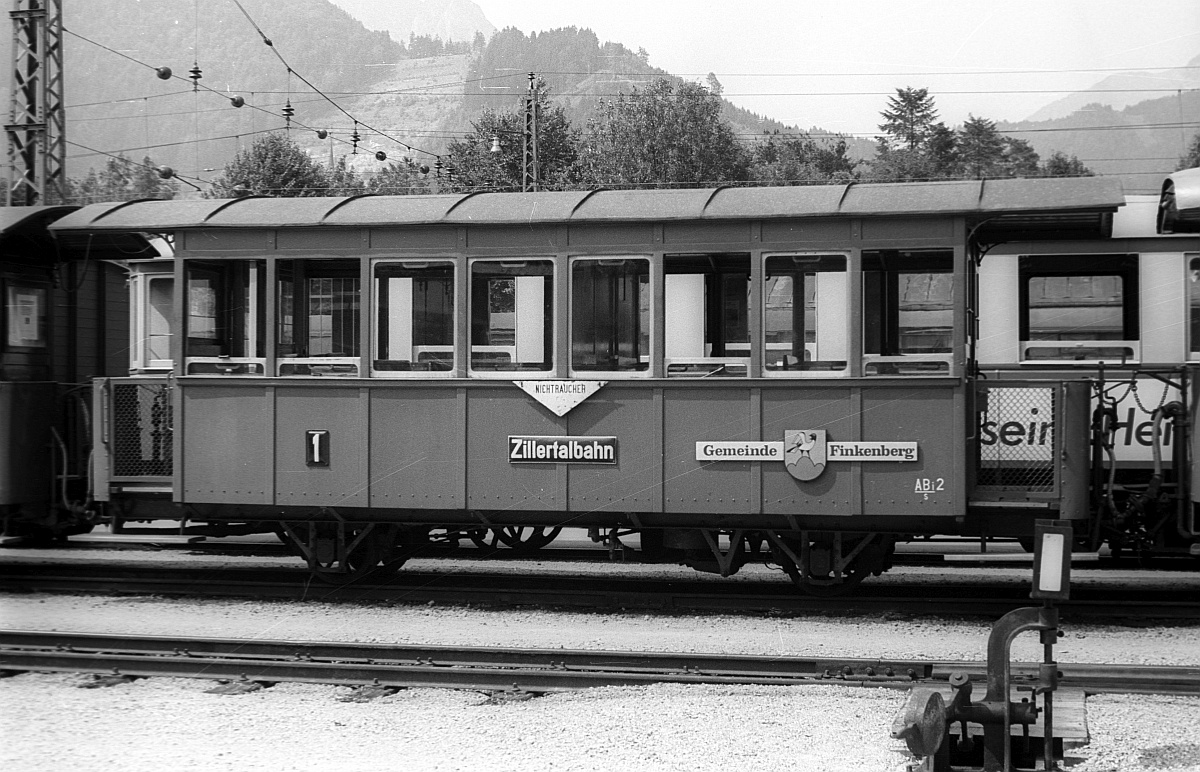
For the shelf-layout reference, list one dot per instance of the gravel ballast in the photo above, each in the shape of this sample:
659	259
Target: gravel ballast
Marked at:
164	723
158	724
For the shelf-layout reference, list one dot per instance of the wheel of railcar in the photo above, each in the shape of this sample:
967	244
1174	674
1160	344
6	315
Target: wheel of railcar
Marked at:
867	555
523	538
527	538
365	548
484	538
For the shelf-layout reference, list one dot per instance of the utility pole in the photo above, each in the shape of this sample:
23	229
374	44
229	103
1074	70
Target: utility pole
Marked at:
529	161
37	135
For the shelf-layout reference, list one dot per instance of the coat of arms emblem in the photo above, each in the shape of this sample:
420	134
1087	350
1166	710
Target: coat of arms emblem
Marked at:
804	453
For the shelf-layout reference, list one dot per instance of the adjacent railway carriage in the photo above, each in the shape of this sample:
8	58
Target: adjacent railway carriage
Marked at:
64	322
803	374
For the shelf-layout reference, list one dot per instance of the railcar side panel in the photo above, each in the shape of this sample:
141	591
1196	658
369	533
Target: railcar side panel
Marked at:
418	447
228	455
633	414
1164	291
692	415
927	416
321	444
495	413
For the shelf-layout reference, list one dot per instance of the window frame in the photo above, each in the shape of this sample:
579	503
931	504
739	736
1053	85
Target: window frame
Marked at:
1127	266
712	315
890	361
651	352
319	365
847	326
456	316
141	283
551	332
10	286
252	364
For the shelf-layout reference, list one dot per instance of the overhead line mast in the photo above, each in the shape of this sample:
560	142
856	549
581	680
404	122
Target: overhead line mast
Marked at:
37	133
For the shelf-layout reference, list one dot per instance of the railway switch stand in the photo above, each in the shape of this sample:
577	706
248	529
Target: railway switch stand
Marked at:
926	720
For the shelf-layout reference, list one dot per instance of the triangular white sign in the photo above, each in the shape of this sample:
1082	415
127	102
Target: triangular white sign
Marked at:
560	397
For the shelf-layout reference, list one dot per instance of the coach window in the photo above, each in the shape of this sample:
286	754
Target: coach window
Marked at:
25	316
225	317
1194	307
414	317
804	316
153	317
707	316
512	315
610	315
317	311
908	311
1079	308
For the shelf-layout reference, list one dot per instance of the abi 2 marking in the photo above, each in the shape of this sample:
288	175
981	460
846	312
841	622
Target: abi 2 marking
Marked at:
928	485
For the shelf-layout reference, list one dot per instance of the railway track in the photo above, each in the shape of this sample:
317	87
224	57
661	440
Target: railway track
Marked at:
521	670
906	555
475	586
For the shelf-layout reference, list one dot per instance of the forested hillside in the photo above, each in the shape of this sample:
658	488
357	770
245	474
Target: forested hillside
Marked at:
421	91
1141	143
580	70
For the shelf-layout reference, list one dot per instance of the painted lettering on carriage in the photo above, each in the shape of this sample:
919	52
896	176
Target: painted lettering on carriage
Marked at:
872	451
1130	432
1013	433
929	485
739	451
1021	420
562	450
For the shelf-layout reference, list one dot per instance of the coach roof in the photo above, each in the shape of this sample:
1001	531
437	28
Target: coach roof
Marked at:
984	198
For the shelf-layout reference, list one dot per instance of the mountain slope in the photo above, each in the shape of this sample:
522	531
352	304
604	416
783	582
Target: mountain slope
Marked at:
1140	143
115	104
1122	90
457	20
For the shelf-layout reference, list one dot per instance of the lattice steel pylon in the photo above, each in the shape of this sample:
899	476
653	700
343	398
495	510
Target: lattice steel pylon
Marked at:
529	139
37	134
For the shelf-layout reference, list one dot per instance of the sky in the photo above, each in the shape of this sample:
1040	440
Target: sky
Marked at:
833	64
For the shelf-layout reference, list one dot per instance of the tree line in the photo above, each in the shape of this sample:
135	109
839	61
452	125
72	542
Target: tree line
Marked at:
666	134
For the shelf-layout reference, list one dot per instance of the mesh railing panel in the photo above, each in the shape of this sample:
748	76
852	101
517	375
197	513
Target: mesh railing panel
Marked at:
1016	438
141	430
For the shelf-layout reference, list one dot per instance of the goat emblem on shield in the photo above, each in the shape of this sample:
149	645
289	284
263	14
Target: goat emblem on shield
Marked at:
804	453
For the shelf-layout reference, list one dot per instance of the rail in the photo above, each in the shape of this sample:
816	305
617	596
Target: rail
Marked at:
531	670
508	589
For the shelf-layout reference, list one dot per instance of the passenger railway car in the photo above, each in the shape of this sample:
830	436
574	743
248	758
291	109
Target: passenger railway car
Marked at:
805	375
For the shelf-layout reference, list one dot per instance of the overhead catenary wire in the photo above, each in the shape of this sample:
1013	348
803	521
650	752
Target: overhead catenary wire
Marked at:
130	161
224	95
270	44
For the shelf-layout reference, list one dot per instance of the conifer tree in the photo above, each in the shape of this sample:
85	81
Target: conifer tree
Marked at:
908	119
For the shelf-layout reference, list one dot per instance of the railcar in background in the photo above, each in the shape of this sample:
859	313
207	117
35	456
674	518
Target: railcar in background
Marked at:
65	322
1122	311
805	375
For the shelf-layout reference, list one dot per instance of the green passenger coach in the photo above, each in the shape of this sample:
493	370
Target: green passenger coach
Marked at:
783	374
